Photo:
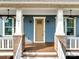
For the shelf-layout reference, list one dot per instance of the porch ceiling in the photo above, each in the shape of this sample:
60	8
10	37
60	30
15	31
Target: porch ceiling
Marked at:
39	5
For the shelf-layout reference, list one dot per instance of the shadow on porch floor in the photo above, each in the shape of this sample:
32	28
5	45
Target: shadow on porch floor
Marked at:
39	47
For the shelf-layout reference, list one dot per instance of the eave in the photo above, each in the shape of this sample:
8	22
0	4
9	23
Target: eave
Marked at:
39	4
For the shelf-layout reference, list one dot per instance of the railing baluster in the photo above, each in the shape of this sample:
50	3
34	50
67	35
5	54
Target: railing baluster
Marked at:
74	43
70	44
6	43
78	44
2	44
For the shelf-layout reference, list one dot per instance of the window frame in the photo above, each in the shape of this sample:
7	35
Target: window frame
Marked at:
4	18
65	21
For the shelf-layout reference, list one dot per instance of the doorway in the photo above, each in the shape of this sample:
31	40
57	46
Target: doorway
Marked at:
39	29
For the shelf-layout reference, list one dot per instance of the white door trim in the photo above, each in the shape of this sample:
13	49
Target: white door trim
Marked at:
43	30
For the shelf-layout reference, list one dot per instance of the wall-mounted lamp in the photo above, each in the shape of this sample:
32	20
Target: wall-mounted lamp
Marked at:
70	14
30	21
47	21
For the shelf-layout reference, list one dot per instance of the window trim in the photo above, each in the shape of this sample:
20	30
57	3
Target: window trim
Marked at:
65	19
4	18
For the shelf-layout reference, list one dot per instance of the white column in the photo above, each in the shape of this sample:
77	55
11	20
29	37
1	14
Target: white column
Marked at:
19	22
60	35
60	23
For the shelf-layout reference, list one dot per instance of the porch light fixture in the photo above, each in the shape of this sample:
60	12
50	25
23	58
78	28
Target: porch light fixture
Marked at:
47	21
70	16
30	21
8	13
7	16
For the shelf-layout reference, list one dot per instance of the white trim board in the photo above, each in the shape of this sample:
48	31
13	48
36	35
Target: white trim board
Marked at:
38	2
43	29
6	53
72	53
4	18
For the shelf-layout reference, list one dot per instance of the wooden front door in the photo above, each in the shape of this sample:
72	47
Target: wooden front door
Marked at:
39	30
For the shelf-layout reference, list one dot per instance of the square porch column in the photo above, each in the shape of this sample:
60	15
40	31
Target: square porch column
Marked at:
60	23
19	22
60	35
18	35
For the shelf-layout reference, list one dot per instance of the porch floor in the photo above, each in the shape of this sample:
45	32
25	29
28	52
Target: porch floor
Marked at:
39	47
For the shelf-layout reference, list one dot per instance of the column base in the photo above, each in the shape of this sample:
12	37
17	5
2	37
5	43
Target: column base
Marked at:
16	39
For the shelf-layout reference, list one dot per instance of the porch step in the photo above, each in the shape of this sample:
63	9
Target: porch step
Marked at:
39	58
40	51
40	54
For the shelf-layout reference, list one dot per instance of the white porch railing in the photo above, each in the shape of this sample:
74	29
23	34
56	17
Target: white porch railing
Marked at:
72	43
6	43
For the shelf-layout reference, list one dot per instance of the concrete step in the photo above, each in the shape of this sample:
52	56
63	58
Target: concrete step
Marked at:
40	54
39	58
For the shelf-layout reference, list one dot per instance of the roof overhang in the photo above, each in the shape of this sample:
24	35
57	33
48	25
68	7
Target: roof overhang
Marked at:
40	4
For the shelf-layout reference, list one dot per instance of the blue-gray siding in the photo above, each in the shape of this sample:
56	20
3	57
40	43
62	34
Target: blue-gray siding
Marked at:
1	27
28	27
50	28
77	27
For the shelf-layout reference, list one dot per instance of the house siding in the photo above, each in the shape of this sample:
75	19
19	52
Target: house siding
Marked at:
77	27
28	28
1	27
49	28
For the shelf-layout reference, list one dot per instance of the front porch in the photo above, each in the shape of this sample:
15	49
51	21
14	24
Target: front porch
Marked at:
39	33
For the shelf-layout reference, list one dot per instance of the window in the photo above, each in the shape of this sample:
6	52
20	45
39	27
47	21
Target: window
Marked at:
8	26
70	26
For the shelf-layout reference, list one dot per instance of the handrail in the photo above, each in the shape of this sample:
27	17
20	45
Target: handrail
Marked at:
18	51
60	48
